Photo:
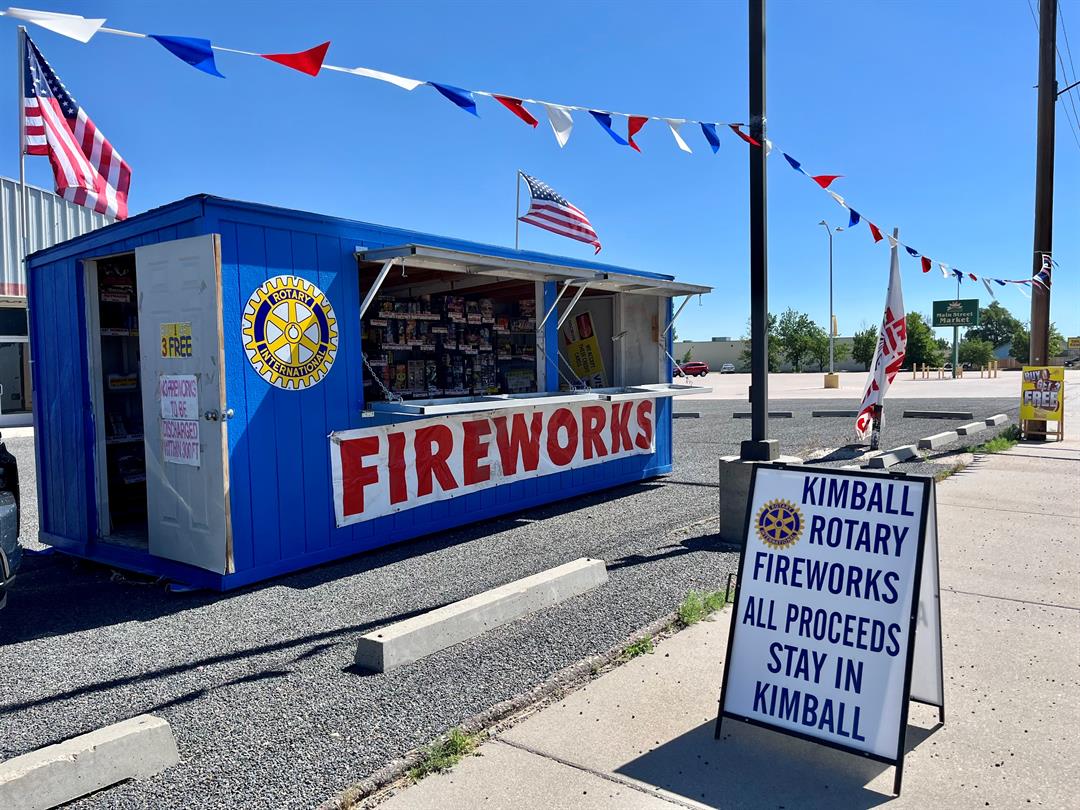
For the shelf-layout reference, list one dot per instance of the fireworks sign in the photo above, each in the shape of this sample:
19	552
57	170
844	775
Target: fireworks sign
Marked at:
838	572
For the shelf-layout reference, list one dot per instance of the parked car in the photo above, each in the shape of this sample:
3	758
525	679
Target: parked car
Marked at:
727	368
692	368
10	553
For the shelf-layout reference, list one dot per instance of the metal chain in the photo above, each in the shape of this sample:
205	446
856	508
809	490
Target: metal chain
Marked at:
390	395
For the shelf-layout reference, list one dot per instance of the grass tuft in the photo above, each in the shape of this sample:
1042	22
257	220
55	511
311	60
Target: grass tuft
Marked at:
1005	440
441	756
698	605
639	647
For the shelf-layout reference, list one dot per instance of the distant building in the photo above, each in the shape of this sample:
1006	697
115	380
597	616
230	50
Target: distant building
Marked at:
722	350
52	219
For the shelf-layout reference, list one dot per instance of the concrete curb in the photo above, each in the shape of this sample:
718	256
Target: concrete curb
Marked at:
894	456
772	415
409	640
997	419
844	414
970	429
132	749
938	440
506	713
938	415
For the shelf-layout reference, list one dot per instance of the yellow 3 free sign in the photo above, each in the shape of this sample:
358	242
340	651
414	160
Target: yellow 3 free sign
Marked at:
1042	393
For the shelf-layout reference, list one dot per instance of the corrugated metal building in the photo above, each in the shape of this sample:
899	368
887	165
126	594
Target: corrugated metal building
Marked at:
52	220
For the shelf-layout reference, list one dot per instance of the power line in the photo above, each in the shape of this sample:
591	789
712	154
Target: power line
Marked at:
1068	49
1068	114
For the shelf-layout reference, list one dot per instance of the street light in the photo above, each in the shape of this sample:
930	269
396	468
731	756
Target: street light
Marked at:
829	231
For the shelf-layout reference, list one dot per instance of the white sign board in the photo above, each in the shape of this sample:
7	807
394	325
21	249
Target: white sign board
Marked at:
822	629
381	470
180	441
179	395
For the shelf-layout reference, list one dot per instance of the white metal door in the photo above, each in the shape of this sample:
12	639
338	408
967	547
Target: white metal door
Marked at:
183	395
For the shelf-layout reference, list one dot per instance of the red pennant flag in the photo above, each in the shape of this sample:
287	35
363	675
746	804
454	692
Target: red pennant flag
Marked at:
825	180
309	61
743	135
973	277
874	230
515	106
633	127
925	265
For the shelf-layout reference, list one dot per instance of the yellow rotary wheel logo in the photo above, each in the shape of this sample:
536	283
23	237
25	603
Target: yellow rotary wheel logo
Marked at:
290	333
779	524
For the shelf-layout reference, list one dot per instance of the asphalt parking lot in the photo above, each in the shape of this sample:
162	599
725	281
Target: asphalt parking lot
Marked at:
258	684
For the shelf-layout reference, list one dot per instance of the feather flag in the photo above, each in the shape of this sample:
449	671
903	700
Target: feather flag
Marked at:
890	350
604	120
462	98
309	61
710	135
633	126
673	125
68	25
515	106
562	122
193	50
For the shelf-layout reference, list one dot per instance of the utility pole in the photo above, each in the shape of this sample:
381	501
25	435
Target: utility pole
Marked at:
1044	183
759	447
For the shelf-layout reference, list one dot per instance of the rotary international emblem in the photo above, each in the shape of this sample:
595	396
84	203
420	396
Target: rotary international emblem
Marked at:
290	333
779	524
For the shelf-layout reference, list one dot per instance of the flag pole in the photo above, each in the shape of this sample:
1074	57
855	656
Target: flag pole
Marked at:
517	206
24	214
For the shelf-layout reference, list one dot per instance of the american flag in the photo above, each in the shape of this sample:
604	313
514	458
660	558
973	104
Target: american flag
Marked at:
554	213
87	170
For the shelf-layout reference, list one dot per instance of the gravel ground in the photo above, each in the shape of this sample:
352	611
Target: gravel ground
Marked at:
258	684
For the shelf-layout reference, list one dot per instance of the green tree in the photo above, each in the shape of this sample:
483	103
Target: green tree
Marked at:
976	352
996	325
686	357
795	333
819	348
1020	347
921	345
864	343
774	346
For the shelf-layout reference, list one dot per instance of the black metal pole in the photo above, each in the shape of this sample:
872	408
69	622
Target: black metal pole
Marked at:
1044	181
759	447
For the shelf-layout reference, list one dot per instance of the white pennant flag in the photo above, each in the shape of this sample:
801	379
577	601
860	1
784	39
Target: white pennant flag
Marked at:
69	25
673	125
986	283
890	350
944	269
1023	290
561	122
835	196
768	148
892	241
397	81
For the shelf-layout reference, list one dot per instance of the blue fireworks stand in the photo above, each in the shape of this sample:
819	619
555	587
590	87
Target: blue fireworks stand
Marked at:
167	444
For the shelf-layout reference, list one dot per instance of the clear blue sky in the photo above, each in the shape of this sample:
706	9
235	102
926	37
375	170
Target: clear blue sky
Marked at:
927	108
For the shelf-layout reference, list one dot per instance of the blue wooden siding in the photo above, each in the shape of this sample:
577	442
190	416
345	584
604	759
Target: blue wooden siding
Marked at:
280	494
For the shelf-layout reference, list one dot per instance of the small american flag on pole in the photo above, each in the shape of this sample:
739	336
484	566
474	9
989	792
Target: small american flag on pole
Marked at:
87	170
552	212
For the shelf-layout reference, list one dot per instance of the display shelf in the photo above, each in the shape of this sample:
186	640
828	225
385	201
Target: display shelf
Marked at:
123	439
119	332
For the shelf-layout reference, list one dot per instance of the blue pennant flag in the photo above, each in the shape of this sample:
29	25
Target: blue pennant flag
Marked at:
958	274
711	136
999	281
912	251
193	50
463	98
853	218
798	167
604	120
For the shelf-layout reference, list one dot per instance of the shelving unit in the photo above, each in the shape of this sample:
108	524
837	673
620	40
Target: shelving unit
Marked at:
443	345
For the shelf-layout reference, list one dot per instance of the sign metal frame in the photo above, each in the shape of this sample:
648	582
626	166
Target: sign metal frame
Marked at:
898	760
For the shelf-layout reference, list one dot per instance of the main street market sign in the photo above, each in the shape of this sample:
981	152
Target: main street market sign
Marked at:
838	572
961	312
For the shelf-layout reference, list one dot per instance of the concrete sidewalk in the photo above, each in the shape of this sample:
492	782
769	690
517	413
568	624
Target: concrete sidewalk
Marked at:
641	735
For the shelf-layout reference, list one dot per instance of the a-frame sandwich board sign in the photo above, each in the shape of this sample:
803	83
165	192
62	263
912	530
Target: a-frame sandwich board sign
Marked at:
836	623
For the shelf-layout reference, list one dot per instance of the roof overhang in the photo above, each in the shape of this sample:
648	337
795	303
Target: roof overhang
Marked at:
459	261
